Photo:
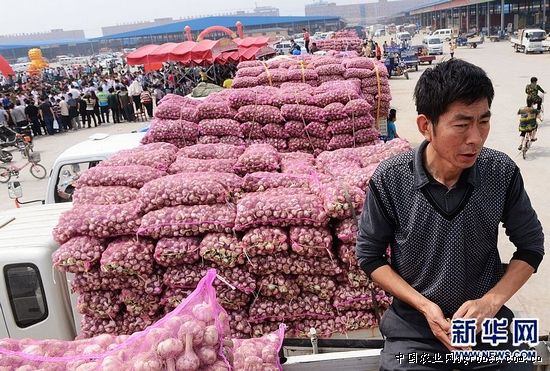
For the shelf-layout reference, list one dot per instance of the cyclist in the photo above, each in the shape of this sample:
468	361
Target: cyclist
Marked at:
532	91
528	122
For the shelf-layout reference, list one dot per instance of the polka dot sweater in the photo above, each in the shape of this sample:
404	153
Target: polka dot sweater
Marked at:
448	258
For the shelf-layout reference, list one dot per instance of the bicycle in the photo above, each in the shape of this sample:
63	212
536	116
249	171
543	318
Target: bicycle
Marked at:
38	171
540	116
526	144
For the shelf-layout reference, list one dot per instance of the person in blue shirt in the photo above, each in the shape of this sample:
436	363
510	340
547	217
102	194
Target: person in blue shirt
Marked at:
392	129
295	49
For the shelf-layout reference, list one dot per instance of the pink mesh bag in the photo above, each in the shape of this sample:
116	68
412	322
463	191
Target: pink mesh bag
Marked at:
191	337
259	353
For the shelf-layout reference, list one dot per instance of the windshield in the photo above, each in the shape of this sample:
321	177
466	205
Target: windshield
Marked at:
67	175
536	36
434	41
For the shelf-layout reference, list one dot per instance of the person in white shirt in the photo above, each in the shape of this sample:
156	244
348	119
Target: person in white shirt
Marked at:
135	90
65	117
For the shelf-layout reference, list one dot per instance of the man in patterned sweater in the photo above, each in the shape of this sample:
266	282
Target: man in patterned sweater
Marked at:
439	208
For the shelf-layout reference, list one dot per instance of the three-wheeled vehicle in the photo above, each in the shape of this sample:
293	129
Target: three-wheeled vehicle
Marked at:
422	54
471	42
395	64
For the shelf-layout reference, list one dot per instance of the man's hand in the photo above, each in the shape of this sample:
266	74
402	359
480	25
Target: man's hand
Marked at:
440	327
478	309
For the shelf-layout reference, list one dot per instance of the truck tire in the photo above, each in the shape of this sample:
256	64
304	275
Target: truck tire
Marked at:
430	62
416	67
517	49
474	45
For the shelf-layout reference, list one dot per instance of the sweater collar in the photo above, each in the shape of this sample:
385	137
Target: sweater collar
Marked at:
422	177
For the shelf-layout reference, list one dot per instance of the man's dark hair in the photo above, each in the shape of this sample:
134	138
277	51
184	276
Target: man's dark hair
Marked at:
452	81
534	80
100	89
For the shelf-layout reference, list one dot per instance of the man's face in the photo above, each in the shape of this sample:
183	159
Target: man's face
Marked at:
458	137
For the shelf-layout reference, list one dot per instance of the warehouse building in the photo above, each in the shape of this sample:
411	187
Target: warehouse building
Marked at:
261	11
174	32
364	13
482	15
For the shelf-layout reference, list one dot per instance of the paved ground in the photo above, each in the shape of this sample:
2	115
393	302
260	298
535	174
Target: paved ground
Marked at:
510	73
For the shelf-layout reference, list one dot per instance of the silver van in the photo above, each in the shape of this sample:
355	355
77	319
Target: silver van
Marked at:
444	33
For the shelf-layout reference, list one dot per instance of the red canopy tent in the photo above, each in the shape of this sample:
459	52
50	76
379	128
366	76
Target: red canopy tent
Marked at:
161	53
252	41
205	52
180	52
5	67
141	55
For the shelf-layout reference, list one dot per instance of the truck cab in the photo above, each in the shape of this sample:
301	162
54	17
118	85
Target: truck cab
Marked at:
34	299
82	156
529	40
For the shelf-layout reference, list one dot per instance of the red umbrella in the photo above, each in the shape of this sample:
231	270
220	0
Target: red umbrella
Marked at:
5	67
141	55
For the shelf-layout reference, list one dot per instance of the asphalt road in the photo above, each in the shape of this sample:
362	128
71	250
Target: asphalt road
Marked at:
509	71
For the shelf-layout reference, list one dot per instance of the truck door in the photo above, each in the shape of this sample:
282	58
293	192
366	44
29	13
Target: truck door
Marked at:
3	327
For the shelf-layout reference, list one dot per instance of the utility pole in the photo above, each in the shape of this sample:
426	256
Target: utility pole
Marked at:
544	15
501	15
488	25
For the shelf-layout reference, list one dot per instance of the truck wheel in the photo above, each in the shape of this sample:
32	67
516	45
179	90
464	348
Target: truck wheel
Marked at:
416	67
517	49
430	62
474	45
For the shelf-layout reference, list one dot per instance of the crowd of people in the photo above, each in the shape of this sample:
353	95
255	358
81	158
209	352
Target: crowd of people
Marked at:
63	99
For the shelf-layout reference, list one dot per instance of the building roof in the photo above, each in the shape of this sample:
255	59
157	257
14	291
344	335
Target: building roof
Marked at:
41	43
200	24
429	6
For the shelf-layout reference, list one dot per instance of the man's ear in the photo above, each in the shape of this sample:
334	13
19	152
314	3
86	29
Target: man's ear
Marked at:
424	127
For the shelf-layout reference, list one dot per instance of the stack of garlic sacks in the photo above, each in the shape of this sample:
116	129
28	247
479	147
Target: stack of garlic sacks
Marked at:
279	227
311	105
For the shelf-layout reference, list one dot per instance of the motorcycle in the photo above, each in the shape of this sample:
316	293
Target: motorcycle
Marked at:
21	140
5	156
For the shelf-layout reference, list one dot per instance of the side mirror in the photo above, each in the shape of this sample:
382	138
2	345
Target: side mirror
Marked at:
15	190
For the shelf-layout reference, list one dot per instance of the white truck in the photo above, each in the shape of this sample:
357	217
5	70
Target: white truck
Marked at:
82	156
36	301
529	40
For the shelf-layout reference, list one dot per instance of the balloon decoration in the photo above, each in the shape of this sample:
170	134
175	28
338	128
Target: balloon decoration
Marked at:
211	29
38	63
188	34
